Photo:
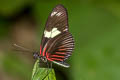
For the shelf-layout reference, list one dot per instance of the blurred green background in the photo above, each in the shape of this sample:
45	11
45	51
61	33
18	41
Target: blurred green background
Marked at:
95	25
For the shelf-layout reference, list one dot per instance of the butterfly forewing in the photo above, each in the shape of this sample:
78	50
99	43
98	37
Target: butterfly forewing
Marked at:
56	24
58	18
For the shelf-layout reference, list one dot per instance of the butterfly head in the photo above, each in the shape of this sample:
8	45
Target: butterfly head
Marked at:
37	56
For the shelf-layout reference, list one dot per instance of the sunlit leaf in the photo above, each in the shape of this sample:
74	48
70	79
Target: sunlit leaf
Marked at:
42	73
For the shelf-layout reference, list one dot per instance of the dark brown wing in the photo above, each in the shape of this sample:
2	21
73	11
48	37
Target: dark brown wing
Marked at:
56	24
60	48
58	19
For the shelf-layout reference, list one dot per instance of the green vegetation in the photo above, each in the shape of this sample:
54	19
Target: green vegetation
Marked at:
42	73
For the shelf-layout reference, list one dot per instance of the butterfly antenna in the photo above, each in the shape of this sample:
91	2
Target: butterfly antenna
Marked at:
20	48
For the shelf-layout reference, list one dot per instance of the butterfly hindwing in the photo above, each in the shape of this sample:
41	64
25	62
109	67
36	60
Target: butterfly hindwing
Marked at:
60	48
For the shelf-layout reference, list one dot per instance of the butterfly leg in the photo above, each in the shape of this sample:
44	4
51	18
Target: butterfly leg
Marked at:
47	72
51	67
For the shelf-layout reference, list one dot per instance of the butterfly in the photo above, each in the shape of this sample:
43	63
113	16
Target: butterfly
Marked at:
57	42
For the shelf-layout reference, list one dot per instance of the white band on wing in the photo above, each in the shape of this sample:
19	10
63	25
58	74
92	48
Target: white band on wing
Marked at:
51	34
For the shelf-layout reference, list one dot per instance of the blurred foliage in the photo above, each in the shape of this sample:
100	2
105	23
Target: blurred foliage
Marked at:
3	29
14	66
95	25
10	7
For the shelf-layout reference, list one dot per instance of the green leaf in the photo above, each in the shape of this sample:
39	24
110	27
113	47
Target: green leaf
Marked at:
42	73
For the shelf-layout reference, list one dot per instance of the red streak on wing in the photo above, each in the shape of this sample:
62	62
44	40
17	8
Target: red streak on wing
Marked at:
47	56
40	49
57	59
44	51
50	59
57	56
60	52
